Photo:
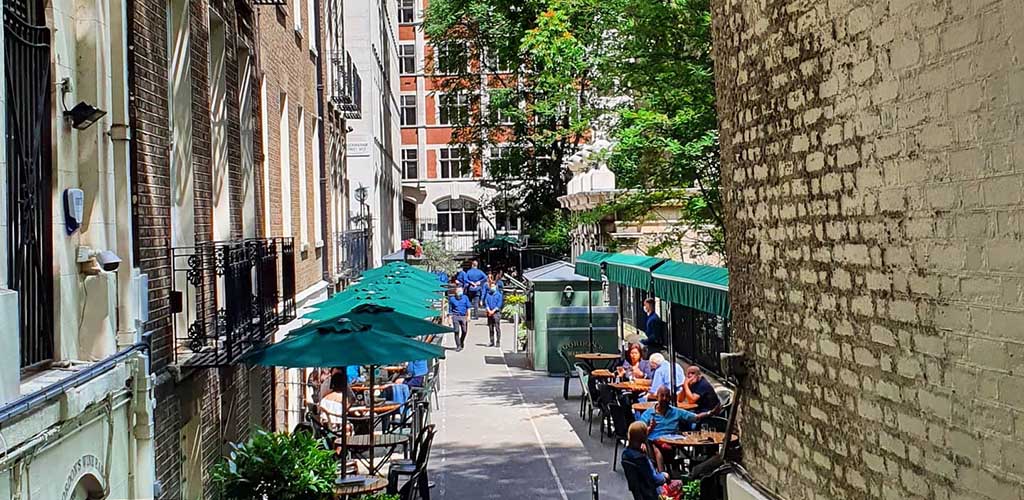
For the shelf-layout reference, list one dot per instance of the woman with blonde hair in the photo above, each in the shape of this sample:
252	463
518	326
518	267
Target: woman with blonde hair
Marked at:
643	479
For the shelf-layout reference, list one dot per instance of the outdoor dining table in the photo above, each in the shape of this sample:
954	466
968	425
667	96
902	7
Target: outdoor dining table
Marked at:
602	373
376	387
367	486
638	386
691	439
359	445
590	358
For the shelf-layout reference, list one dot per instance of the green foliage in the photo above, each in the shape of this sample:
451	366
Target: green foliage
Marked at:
554	232
437	258
691	490
380	496
277	466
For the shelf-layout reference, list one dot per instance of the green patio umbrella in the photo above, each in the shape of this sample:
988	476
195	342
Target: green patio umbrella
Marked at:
403	277
398	268
344	342
413	292
417	307
382	318
405	281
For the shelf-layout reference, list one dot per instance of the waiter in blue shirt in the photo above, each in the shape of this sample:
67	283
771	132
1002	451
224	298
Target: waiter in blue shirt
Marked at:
475	281
494	301
654	328
458	308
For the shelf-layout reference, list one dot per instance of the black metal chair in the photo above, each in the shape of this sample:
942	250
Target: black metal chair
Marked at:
416	470
606	396
416	488
622	417
569	372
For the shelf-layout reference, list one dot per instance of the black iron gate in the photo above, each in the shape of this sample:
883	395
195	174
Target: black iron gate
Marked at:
27	58
700	337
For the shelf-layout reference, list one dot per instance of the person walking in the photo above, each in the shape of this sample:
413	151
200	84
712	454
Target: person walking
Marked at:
475	281
494	300
458	308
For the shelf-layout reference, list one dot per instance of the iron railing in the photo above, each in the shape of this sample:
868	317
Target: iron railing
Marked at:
30	263
458	237
699	337
352	252
232	295
347	85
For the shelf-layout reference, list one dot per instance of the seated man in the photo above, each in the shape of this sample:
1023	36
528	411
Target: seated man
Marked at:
664	419
697	389
662	376
643	480
416	372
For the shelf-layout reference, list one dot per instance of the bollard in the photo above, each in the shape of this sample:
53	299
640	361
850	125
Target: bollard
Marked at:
594	486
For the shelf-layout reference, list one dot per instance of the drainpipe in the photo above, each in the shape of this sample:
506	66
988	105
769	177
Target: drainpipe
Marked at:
323	149
143	467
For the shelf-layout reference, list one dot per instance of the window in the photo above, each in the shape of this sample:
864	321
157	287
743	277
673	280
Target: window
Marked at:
311	24
499	60
297	15
456	215
501	105
406	11
500	158
454	163
410	164
453	108
286	169
408	110
303	187
452	57
407	58
506	220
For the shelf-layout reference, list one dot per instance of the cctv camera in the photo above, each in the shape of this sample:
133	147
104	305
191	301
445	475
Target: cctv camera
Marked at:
108	261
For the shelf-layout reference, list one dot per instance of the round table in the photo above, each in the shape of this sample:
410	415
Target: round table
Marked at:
696	439
589	358
364	411
366	387
359	445
643	406
602	373
373	485
393	369
634	386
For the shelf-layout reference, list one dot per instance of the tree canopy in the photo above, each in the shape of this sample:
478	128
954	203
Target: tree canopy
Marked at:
548	73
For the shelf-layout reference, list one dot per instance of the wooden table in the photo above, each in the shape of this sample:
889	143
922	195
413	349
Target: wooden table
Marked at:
366	387
364	411
393	369
359	445
691	439
372	485
643	406
602	373
589	358
634	386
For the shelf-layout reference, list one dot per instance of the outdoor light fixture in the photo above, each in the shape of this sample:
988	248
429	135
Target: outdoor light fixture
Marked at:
83	115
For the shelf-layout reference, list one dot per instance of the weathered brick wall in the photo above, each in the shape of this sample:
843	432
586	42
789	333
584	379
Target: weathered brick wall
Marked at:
873	158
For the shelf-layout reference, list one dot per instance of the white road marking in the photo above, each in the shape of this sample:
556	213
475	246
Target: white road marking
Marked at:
536	433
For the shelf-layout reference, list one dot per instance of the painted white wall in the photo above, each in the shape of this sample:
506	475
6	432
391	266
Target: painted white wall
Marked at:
219	129
246	136
183	230
9	341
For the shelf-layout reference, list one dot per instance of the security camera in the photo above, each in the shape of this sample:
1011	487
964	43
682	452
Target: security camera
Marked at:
108	261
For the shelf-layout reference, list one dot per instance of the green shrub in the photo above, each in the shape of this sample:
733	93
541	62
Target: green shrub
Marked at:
380	496
276	466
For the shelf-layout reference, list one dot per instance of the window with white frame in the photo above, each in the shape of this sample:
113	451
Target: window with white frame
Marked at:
505	219
451	57
407	58
410	163
453	108
408	109
499	60
501	104
456	215
297	14
311	24
499	158
406	11
453	163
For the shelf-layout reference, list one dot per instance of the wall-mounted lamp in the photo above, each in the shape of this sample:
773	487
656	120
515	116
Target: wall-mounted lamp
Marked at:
92	262
83	115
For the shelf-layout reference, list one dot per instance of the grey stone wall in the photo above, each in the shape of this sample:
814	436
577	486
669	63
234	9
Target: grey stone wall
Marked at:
873	159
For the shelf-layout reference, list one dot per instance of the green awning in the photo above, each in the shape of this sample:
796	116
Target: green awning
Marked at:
631	270
704	288
500	241
589	264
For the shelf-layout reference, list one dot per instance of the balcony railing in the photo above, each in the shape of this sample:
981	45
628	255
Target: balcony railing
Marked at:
347	85
352	251
229	296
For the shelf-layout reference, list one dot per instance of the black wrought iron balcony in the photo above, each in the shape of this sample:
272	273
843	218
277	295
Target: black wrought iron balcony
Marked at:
351	252
229	296
347	85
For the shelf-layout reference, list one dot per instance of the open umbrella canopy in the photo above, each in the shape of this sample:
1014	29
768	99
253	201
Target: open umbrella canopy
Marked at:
415	307
384	319
342	343
413	293
430	284
397	268
426	279
500	241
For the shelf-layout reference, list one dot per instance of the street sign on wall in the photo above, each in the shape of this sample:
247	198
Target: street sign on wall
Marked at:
358	145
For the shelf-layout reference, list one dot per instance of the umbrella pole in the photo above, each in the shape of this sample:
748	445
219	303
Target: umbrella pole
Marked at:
344	427
373	372
590	310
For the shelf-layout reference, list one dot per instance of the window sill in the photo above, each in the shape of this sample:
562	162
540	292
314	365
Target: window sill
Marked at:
319	243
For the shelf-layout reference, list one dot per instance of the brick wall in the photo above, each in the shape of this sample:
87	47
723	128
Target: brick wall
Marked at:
873	159
223	398
289	67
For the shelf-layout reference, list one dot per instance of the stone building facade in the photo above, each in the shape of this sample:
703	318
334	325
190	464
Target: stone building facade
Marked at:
873	159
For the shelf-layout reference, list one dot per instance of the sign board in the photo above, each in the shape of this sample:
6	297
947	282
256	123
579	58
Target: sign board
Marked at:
358	145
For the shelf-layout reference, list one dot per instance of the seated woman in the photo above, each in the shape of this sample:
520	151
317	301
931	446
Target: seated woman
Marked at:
332	405
645	482
635	364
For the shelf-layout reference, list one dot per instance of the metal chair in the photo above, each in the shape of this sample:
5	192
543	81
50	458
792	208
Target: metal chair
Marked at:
569	367
417	469
606	396
622	417
725	396
586	403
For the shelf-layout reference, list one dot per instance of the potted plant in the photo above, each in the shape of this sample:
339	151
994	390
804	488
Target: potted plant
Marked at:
412	247
276	466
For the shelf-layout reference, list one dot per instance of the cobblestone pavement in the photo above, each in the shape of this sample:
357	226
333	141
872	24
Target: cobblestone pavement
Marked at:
505	432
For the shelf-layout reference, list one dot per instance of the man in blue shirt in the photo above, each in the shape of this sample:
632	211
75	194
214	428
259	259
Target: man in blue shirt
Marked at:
653	327
476	280
664	419
699	391
458	308
417	371
494	300
662	376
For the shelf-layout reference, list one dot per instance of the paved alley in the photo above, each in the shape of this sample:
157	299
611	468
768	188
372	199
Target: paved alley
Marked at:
505	432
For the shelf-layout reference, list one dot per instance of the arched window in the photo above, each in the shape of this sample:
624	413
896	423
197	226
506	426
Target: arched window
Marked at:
456	215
